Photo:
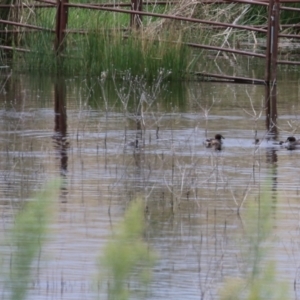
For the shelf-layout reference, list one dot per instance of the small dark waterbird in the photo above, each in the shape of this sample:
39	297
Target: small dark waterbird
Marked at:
215	143
292	143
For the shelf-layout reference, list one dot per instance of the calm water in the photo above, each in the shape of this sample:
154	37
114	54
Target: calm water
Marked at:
83	131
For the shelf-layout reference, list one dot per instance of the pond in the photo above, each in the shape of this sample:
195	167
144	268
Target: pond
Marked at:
115	141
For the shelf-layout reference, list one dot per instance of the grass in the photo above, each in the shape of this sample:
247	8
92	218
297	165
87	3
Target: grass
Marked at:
97	52
101	48
126	254
259	281
27	237
109	46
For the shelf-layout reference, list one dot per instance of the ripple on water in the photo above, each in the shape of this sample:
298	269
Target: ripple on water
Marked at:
193	194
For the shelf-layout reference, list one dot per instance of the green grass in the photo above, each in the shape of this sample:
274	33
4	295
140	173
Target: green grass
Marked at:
104	48
290	17
27	237
109	45
97	52
126	254
259	280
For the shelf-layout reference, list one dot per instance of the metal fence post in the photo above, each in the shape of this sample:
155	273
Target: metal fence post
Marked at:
136	19
61	25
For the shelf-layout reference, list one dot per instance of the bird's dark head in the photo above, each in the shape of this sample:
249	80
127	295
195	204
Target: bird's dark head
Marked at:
291	139
219	136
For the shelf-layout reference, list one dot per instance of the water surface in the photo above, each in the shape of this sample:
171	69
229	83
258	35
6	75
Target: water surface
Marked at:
85	131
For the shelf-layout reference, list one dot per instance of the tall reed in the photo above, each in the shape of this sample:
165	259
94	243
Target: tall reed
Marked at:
105	48
98	52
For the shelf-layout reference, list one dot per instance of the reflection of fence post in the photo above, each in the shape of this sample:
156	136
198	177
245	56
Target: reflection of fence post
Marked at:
271	64
61	24
136	19
60	126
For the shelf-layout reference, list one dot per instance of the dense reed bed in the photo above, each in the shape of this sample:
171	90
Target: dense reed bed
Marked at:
98	53
104	43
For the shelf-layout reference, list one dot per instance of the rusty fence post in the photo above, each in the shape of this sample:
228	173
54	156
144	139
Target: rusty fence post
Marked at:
136	19
61	25
271	66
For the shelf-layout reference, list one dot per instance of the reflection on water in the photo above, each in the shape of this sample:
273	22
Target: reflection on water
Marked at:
60	130
112	144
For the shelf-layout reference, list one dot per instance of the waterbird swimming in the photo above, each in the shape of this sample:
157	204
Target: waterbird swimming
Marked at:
215	143
291	143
